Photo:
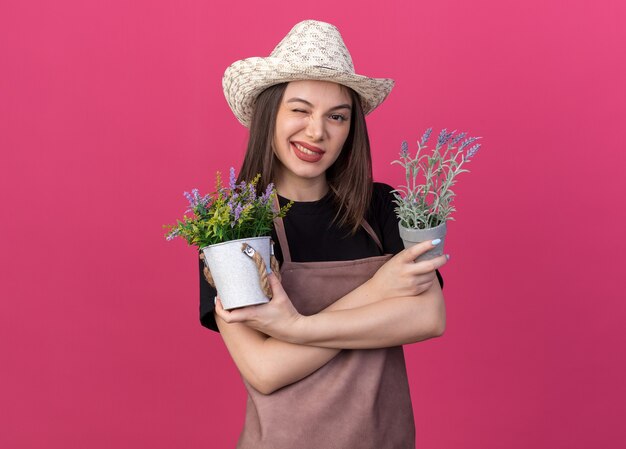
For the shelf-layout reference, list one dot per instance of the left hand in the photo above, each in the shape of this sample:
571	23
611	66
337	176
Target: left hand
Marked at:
402	276
278	318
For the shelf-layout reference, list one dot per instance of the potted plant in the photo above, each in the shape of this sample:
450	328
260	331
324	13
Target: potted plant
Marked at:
424	204
231	228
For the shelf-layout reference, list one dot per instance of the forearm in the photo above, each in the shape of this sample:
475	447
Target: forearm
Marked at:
360	319
361	296
267	363
375	323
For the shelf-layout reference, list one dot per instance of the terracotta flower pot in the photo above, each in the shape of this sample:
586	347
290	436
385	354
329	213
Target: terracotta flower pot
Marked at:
235	274
412	236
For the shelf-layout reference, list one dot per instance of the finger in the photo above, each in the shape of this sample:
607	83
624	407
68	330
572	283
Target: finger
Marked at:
424	286
413	252
275	284
235	316
430	265
219	309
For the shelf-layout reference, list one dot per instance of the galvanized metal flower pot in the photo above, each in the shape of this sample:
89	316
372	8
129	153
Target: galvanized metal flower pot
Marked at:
411	237
235	274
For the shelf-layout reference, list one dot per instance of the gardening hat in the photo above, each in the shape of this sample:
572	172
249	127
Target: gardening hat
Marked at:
312	50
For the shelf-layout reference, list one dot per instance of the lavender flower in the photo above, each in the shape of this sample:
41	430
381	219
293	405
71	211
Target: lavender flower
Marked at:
232	181
443	137
426	136
175	232
252	190
472	151
428	204
404	149
192	201
236	214
467	142
238	211
233	212
189	198
458	138
196	202
266	195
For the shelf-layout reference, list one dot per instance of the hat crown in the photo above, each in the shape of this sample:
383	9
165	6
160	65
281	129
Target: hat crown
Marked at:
315	44
312	50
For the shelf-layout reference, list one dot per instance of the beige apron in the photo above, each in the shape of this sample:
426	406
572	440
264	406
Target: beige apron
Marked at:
358	400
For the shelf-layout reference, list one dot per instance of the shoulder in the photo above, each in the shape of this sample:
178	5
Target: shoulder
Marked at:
382	199
380	188
381	216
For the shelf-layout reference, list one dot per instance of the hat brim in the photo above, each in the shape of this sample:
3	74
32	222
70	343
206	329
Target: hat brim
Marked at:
244	80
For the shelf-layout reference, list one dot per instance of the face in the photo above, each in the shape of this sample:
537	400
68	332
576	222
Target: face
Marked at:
312	124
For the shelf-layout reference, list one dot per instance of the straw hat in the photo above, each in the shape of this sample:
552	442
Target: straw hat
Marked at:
311	51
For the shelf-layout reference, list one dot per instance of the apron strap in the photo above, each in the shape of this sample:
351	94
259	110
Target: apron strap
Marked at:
280	233
372	234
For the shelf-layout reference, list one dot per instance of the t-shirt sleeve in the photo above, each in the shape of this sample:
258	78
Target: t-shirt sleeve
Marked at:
384	207
207	296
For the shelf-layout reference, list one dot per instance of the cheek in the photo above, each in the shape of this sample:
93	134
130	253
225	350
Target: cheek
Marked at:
285	131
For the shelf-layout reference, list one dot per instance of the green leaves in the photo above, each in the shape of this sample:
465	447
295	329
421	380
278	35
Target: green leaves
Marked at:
230	213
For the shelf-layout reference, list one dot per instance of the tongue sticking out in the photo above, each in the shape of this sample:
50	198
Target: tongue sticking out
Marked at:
305	154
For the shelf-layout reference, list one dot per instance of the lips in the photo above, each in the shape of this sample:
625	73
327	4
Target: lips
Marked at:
307	153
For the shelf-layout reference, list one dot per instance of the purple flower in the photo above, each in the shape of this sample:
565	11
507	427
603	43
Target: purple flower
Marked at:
266	195
189	198
443	137
173	234
232	203
195	200
404	149
458	138
252	190
192	200
238	210
425	136
237	213
472	151
232	181
466	142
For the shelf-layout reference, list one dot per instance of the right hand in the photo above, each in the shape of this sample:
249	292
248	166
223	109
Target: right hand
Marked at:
277	318
402	276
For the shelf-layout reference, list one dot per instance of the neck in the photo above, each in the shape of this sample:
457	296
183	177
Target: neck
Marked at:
302	189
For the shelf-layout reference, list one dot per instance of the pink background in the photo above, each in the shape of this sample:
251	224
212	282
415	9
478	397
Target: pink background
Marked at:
110	110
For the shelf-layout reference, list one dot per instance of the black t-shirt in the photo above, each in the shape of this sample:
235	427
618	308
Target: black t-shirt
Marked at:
313	237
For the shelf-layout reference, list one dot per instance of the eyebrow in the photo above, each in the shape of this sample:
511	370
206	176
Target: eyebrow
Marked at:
302	100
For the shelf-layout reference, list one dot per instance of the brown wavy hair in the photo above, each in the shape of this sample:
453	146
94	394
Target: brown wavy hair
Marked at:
349	178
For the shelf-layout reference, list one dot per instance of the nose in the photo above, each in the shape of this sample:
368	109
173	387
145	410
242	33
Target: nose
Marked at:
315	129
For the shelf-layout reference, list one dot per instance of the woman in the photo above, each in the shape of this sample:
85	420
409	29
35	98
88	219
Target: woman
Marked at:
322	361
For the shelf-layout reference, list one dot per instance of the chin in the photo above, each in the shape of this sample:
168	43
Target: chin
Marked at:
308	173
